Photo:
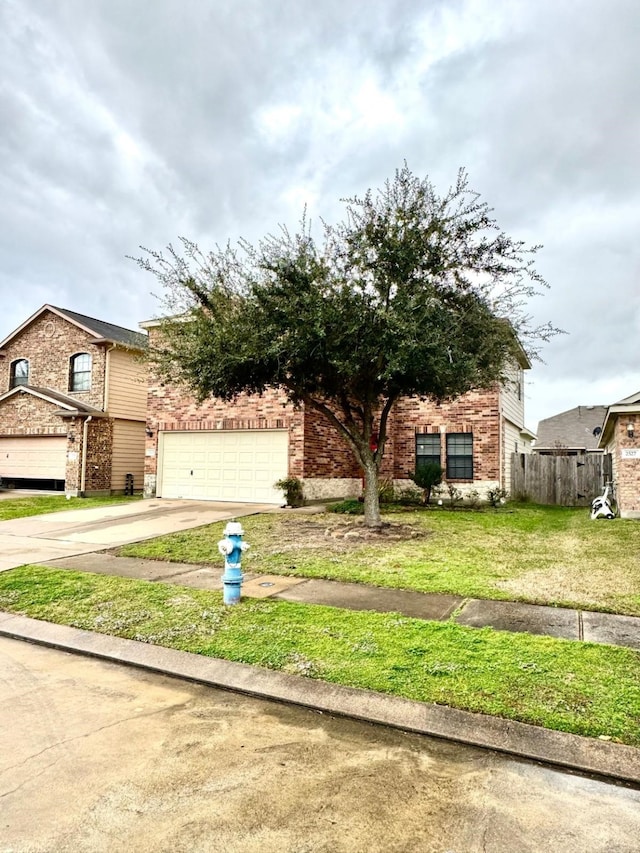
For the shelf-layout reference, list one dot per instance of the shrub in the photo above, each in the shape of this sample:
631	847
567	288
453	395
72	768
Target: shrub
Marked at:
426	476
455	495
349	506
292	488
386	491
497	496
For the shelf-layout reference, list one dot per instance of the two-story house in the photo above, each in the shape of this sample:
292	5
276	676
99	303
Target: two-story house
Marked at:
237	450
73	396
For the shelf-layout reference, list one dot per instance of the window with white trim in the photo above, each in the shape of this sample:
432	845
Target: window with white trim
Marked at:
19	374
80	372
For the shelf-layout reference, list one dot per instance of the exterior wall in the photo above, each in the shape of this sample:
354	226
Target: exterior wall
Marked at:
512	396
48	343
127	454
173	408
98	464
476	412
626	472
512	443
26	414
126	385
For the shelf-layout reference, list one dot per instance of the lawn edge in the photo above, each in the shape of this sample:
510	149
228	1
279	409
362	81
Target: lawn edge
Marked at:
620	762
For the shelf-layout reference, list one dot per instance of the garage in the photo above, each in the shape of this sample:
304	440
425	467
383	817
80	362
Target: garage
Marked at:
234	465
37	459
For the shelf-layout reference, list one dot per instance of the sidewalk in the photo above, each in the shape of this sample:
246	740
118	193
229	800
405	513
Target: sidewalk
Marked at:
593	627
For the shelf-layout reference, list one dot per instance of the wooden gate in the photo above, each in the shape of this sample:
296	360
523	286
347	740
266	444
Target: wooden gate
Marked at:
560	480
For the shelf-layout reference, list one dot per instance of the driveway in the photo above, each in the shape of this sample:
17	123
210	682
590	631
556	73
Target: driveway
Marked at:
98	758
80	531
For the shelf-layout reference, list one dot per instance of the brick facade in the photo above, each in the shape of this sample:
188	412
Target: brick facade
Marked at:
317	453
48	342
627	471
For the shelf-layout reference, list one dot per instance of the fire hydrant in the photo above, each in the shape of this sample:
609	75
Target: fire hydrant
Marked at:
231	548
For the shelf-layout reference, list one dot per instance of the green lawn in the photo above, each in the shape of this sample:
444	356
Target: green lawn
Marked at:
40	505
543	555
575	687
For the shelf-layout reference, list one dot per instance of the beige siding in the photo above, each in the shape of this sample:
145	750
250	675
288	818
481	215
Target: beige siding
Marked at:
512	444
512	396
128	454
127	385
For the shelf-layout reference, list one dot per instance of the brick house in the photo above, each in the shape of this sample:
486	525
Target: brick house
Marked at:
236	451
621	438
72	404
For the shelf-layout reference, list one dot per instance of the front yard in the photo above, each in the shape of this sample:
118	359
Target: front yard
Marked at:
541	555
529	553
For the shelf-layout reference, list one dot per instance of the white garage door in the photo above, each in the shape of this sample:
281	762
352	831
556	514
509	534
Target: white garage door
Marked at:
35	457
223	466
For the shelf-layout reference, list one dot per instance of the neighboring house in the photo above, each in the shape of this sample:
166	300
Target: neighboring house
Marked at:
72	404
571	433
621	438
236	451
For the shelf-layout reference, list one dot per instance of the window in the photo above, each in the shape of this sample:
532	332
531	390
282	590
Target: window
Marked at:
427	448
460	456
19	373
80	372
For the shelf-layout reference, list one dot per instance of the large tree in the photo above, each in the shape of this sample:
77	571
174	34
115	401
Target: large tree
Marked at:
411	294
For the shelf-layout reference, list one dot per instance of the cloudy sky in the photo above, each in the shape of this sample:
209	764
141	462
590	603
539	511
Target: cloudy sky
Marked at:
133	122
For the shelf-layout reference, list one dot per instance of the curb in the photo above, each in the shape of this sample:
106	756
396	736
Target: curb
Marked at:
574	752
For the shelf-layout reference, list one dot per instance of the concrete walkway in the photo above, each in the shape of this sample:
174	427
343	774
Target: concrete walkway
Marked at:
477	613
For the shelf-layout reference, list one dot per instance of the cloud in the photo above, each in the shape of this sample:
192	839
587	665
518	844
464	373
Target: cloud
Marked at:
128	123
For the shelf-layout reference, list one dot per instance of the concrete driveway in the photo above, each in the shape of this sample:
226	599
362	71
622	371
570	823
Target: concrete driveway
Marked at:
63	534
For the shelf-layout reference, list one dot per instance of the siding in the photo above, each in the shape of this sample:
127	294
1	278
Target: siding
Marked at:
128	454
512	407
512	444
127	391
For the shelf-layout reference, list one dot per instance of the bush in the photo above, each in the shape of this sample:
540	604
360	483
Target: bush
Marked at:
409	497
386	491
292	488
455	495
349	506
497	496
426	476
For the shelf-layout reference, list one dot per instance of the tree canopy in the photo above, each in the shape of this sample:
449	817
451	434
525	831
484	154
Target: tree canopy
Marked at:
411	294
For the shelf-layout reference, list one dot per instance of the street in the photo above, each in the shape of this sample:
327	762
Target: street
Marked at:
97	757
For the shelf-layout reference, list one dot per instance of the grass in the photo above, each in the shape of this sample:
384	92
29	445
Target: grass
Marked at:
569	686
540	555
42	504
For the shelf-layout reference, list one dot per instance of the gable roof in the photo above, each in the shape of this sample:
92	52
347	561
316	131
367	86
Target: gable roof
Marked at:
103	332
69	405
578	428
629	405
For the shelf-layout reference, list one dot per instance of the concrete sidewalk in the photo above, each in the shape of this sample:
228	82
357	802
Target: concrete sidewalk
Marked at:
477	613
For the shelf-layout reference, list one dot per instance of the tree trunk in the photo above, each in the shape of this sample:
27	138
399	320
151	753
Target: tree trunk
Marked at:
371	495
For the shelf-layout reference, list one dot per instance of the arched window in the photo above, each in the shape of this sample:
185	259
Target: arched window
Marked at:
19	373
80	372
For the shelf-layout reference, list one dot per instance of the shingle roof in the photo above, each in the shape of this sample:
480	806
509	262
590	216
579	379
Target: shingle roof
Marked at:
577	428
118	334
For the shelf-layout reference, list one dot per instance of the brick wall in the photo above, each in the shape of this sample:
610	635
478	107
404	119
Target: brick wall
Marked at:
317	452
25	414
98	464
627	471
476	412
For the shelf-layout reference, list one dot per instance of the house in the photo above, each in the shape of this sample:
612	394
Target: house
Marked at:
72	404
571	433
237	450
621	438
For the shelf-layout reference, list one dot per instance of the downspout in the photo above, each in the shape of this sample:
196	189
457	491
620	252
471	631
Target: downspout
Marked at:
83	475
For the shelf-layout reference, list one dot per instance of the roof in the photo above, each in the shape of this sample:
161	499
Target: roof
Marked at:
577	429
629	405
102	331
69	405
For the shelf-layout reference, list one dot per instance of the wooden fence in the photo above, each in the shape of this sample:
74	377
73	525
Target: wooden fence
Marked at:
560	480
